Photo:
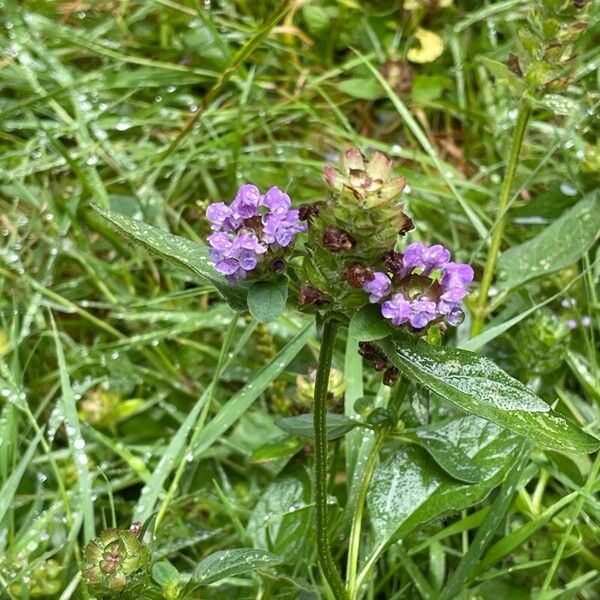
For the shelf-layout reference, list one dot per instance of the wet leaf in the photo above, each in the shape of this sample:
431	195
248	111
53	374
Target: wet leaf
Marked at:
448	457
476	385
230	563
279	521
431	47
409	488
555	248
302	425
187	255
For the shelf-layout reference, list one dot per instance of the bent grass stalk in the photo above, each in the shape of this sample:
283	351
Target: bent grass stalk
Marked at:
358	515
494	249
328	567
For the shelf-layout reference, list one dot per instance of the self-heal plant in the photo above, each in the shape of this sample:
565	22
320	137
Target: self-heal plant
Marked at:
344	258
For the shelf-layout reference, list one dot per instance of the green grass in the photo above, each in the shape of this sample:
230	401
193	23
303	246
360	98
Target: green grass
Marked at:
155	108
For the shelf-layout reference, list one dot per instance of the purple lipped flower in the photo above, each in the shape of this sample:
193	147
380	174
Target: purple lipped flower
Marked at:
221	217
246	201
422	312
426	258
276	201
397	310
220	241
282	227
246	240
457	275
379	287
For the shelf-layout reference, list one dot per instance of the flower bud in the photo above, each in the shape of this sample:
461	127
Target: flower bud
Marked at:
310	296
337	240
116	562
357	275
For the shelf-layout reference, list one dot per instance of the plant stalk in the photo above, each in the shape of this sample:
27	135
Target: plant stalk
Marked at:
507	183
328	567
358	515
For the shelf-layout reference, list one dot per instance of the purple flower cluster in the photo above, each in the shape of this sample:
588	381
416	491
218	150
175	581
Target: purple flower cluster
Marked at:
424	286
249	228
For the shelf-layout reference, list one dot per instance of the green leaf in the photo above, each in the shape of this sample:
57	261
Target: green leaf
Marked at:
190	256
266	299
555	248
476	385
302	425
230	563
503	74
364	89
367	324
282	446
490	525
165	574
448	457
280	519
408	488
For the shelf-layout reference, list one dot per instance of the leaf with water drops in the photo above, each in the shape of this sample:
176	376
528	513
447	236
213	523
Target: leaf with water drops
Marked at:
231	563
187	255
447	455
302	425
409	488
280	519
555	248
476	385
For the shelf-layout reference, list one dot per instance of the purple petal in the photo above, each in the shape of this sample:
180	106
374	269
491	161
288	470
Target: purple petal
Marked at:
246	201
397	310
379	287
228	266
276	201
220	241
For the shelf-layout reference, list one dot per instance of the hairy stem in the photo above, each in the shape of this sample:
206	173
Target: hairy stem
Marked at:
492	255
320	411
358	515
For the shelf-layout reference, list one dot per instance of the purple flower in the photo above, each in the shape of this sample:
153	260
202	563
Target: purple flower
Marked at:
456	275
282	227
426	258
397	310
586	321
246	201
572	324
422	312
276	201
379	287
221	217
236	244
235	257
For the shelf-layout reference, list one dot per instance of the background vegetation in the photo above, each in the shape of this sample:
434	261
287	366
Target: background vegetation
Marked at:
114	364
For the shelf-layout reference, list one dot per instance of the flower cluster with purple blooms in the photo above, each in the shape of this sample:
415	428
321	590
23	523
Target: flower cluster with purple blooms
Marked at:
423	285
252	227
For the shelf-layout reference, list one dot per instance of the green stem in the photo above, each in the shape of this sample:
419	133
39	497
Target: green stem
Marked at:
492	255
330	571
355	531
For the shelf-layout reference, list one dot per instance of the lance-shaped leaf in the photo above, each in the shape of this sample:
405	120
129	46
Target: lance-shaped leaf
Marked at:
409	488
555	248
475	384
187	255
